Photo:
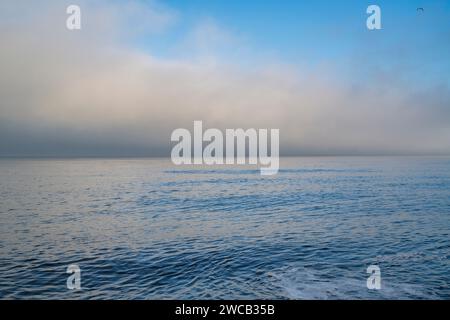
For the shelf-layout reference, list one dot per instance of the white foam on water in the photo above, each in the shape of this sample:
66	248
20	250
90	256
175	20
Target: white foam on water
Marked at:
309	284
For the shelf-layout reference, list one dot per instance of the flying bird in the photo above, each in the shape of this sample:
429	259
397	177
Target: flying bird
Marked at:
420	9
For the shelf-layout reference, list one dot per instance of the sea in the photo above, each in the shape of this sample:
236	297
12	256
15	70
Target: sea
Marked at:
147	229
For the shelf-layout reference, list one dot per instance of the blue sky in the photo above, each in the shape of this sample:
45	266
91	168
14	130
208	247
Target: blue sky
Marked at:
319	32
320	28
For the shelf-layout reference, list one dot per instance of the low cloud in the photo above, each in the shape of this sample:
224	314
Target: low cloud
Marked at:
92	93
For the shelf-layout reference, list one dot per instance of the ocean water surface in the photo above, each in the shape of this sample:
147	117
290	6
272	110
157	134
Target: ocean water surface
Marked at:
146	229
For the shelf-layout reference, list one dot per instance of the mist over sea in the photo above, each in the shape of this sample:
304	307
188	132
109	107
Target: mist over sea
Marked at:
147	229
